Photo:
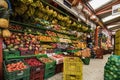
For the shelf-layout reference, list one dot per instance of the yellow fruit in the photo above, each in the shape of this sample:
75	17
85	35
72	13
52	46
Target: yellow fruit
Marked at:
6	33
4	23
3	4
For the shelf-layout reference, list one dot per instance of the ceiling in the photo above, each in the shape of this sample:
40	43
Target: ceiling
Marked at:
103	10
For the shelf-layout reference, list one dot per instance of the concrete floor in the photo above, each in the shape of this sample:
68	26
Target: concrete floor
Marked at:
93	71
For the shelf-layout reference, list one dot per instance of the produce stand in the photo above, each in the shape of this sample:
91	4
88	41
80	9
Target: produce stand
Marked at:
32	30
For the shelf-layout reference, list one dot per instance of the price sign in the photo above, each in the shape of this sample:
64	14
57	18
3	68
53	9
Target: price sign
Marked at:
116	9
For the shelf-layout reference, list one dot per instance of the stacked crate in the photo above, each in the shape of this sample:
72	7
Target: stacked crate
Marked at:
72	68
36	69
117	43
22	74
10	53
49	67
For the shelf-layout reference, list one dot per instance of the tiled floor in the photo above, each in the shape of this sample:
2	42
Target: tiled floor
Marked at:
94	71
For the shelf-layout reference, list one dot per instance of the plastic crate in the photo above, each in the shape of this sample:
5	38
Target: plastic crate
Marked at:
36	72
12	53
23	78
16	75
86	60
48	65
59	68
49	74
35	75
72	77
36	68
72	65
72	59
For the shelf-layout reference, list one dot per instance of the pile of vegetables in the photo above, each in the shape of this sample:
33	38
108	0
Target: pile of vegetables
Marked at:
4	16
112	68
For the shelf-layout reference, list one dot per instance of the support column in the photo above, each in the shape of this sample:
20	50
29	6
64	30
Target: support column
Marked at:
96	36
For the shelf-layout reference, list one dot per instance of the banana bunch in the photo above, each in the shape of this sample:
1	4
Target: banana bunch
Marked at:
30	11
21	9
27	1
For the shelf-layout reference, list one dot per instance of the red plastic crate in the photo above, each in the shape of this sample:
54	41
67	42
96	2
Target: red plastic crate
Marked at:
36	72
37	75
59	68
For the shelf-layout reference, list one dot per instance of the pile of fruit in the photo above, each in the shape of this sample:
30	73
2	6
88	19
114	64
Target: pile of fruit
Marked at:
83	53
65	40
50	33
16	66
112	68
80	45
45	38
4	19
15	27
35	8
23	41
58	56
33	62
46	60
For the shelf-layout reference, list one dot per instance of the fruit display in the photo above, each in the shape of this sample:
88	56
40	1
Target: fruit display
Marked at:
112	68
15	66
3	4
33	62
22	41
45	38
62	36
83	53
57	57
50	33
45	60
79	45
46	46
37	11
4	23
65	40
6	33
15	27
62	45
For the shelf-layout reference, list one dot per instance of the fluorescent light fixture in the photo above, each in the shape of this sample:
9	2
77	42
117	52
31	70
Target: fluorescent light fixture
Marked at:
110	17
115	30
111	26
98	3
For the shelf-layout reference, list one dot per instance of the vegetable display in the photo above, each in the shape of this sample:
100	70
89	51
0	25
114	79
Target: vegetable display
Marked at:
112	68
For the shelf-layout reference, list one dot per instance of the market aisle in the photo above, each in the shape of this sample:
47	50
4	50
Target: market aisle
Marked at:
94	71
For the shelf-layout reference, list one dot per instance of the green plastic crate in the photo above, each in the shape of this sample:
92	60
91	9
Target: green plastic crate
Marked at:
49	74
48	65
10	53
24	78
15	75
50	69
86	60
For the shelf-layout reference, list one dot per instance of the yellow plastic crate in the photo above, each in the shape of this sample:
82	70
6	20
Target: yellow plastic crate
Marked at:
72	59
117	52
72	65
72	77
